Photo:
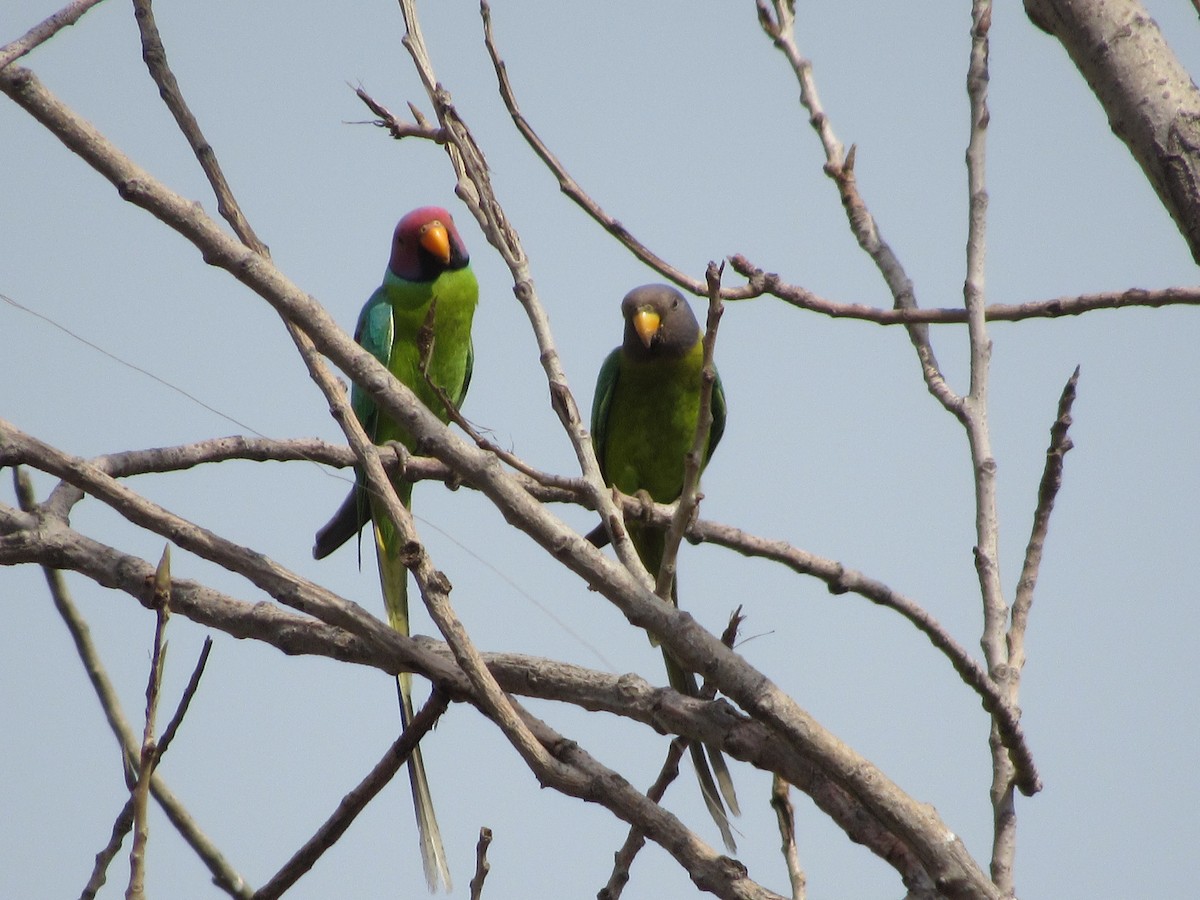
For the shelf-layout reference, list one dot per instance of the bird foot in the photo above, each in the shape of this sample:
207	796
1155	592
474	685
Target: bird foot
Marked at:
645	505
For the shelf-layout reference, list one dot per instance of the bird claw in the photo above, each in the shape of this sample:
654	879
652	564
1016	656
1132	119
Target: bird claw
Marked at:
645	504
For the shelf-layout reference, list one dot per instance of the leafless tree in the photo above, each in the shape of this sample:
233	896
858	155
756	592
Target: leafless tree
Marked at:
1153	108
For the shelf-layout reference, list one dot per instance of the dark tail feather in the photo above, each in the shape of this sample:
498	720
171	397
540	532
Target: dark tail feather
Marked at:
598	536
712	799
348	521
685	682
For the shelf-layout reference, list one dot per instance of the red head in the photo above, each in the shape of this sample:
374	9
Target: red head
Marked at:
426	244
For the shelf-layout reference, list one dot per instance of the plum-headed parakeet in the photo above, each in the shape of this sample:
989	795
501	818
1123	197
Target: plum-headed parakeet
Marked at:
429	270
644	418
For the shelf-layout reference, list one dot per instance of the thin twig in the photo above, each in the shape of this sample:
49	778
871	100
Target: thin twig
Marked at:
155	55
482	866
356	801
778	21
687	506
223	873
121	827
149	752
185	701
1060	445
975	419
785	817
571	188
841	579
636	839
44	30
545	479
397	127
124	820
770	283
976	407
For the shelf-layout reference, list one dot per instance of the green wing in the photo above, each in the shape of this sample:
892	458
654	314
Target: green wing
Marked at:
462	393
374	333
718	414
606	384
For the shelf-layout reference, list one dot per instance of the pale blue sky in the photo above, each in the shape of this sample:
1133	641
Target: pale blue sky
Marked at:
682	121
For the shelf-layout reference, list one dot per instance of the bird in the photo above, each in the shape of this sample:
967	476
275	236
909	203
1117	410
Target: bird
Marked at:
644	419
428	288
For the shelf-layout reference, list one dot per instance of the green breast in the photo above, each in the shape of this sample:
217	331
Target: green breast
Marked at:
651	425
453	296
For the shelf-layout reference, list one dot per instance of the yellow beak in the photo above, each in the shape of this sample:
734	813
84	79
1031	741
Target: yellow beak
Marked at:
646	323
436	240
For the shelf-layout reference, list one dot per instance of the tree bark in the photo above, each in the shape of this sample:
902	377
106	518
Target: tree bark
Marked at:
1151	102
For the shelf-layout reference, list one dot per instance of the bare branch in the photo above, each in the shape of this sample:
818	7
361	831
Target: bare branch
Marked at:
688	504
185	700
636	839
125	819
44	30
356	801
574	772
627	696
475	190
223	873
785	815
1151	102
974	416
778	20
1060	444
482	866
571	188
121	827
914	825
155	55
140	793
772	284
396	127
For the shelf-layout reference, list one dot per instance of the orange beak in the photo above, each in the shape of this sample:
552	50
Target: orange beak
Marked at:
435	239
646	323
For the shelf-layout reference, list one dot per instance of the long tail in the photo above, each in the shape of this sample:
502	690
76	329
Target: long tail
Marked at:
685	682
393	578
707	760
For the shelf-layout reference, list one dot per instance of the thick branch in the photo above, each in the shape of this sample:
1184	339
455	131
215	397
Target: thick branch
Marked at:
1151	102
